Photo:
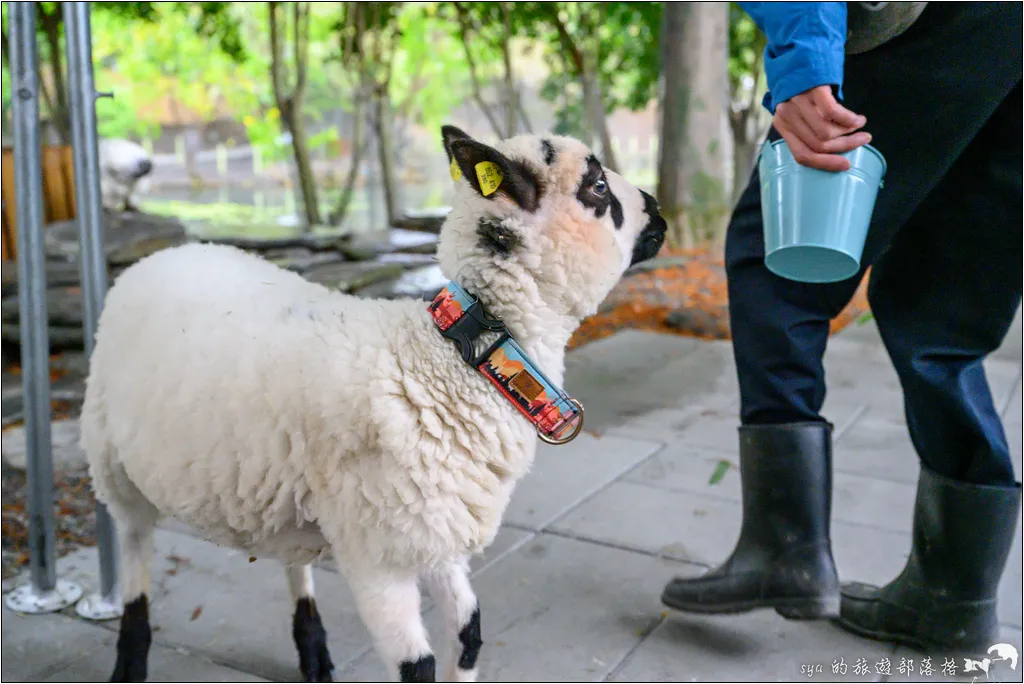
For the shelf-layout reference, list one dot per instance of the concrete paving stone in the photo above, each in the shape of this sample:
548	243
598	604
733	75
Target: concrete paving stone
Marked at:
855	499
213	601
659	400
717	429
754	647
879	448
703	529
1003	377
562	476
1014	414
1015	438
876	503
687	467
240	613
165	665
629	353
954	671
597	373
1013	343
559	610
36	645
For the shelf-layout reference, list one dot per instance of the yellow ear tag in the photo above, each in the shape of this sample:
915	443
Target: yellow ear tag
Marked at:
455	171
489	176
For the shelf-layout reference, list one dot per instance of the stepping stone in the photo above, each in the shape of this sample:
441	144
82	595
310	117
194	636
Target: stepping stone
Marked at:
351	276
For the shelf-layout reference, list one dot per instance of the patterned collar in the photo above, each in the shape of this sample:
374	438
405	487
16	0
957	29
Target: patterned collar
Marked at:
461	317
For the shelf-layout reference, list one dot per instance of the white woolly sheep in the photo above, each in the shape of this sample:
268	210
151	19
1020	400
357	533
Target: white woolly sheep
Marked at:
279	417
123	164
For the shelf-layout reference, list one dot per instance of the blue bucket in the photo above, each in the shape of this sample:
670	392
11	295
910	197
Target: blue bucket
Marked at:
815	222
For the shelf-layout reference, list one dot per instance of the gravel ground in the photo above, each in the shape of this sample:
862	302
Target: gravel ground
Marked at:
73	514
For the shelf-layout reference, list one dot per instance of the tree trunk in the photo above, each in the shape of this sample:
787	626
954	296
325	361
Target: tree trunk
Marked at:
474	79
527	126
304	166
510	86
691	165
382	129
59	113
744	150
289	104
583	62
594	103
358	150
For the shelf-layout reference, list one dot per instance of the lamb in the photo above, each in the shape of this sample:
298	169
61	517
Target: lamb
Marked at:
279	417
123	164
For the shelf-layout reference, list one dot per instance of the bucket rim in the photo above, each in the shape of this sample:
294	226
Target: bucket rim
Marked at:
869	147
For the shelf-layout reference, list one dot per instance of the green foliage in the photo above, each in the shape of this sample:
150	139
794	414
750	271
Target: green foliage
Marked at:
746	47
168	63
621	37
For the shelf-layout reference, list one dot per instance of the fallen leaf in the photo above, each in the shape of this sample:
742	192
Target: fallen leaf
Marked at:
196	613
719	472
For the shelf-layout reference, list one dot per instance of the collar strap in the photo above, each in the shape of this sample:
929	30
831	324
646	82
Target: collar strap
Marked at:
461	317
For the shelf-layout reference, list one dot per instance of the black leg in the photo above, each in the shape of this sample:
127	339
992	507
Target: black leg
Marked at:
420	671
311	641
471	641
133	642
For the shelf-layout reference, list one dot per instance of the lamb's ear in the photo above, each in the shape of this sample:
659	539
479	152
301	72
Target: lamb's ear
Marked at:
491	173
450	134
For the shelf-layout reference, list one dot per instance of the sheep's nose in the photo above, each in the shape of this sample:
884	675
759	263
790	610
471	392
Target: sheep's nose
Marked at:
143	167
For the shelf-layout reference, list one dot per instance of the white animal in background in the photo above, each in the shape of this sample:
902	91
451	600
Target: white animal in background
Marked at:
123	164
274	415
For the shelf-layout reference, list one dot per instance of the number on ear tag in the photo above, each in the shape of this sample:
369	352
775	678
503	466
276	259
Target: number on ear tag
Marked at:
455	171
489	176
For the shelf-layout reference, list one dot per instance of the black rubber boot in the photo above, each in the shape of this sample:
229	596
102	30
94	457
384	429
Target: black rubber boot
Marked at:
945	598
783	559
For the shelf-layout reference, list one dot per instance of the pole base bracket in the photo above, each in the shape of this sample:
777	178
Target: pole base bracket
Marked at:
98	607
28	599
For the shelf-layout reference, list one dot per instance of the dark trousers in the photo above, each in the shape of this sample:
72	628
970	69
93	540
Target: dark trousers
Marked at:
943	104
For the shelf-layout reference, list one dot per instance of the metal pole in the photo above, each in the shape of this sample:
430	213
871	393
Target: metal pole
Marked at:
107	603
44	593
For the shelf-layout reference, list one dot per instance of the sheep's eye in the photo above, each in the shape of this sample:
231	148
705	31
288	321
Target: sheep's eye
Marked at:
600	187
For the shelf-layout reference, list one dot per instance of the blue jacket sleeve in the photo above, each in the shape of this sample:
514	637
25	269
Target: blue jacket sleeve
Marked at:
806	44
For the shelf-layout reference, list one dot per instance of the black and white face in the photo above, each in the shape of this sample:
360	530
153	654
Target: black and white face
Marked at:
554	212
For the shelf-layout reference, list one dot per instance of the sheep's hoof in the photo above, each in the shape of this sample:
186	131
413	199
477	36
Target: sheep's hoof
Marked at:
311	642
127	670
316	666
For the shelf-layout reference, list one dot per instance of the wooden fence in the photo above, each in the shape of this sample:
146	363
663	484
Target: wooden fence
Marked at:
58	192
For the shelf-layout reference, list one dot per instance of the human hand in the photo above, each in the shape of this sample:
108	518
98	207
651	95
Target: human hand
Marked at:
817	129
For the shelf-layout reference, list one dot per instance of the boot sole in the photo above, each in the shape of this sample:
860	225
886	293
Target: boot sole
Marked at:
789	608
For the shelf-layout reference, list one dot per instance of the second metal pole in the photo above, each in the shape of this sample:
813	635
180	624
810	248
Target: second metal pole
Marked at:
81	86
44	593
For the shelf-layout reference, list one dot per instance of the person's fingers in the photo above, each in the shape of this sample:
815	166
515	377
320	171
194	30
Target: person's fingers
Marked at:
833	111
836	143
807	157
846	143
811	120
803	129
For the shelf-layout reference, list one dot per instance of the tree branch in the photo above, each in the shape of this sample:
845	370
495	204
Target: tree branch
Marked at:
276	67
563	36
302	12
473	76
